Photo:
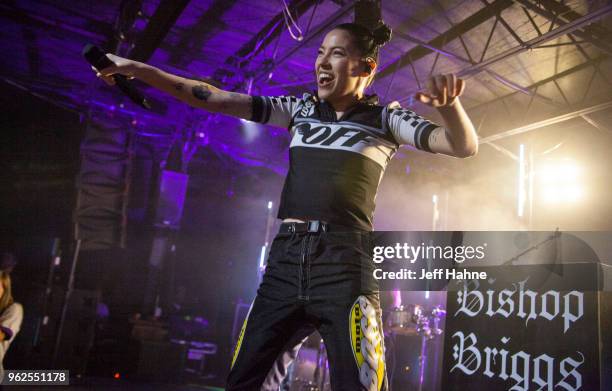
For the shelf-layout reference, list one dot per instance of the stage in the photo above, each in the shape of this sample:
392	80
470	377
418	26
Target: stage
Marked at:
452	155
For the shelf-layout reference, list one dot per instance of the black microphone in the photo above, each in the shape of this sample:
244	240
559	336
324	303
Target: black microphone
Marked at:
96	57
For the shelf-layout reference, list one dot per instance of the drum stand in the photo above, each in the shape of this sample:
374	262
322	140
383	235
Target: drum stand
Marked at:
319	380
414	321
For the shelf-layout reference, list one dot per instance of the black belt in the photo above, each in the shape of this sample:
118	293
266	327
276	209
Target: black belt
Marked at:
314	226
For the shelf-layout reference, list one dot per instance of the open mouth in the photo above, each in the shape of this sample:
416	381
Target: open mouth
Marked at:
325	79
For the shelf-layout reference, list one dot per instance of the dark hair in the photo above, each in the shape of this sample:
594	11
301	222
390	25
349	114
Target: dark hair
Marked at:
368	42
8	262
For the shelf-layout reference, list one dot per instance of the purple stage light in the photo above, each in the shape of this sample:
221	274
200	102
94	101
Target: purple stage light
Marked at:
397	299
173	189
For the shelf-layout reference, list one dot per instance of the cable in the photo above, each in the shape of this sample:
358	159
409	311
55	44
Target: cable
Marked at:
290	23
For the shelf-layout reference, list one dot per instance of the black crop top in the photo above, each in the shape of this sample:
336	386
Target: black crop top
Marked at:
336	165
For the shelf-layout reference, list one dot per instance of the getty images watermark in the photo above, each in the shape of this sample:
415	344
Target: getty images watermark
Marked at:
410	254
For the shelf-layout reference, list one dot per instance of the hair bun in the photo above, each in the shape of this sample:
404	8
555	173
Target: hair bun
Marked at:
382	34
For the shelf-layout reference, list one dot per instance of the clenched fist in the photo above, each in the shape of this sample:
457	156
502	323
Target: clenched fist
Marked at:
442	91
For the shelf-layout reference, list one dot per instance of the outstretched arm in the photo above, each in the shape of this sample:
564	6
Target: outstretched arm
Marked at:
193	92
459	137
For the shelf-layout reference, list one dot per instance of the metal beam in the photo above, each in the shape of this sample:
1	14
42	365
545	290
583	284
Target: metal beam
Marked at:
563	10
503	151
544	123
506	25
128	12
533	23
595	124
466	25
160	23
495	75
560	75
95	30
588	33
488	42
556	45
61	103
193	39
425	48
562	30
444	13
559	31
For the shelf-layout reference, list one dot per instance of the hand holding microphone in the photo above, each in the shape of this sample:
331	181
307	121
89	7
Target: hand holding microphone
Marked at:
115	70
120	65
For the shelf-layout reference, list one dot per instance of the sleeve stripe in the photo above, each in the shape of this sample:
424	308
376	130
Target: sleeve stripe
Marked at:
386	113
267	109
407	127
256	108
417	138
274	110
262	108
424	136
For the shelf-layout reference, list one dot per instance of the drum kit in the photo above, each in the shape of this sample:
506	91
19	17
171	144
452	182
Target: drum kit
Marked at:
408	332
310	371
413	320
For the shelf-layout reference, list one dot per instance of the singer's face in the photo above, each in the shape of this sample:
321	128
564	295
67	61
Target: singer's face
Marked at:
338	67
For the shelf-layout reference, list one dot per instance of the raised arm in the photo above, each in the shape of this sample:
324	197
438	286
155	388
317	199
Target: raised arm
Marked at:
458	138
193	92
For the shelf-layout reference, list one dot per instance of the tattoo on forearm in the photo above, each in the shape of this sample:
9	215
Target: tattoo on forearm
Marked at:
179	86
201	92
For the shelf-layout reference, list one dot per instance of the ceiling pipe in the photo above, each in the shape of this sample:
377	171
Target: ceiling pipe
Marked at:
546	122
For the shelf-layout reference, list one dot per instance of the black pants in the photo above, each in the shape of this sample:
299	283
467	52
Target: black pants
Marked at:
320	280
